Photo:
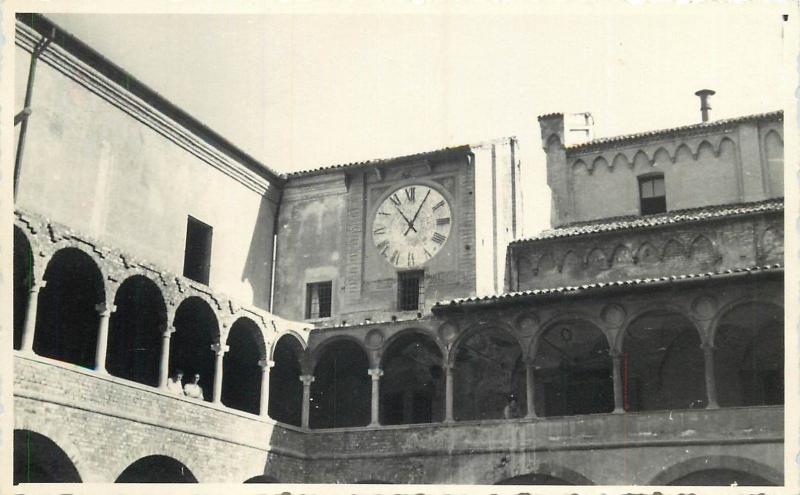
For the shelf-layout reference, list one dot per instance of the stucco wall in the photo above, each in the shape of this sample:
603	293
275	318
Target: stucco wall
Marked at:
94	167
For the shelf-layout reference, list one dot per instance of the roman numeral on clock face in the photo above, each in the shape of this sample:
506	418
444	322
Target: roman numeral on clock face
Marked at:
410	259
379	230
443	221
410	193
395	199
383	246
438	205
438	238
395	257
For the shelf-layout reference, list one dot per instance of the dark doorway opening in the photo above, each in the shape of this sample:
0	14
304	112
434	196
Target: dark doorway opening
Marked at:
156	469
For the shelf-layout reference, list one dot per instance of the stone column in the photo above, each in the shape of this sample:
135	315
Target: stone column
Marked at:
29	327
220	350
530	389
448	394
163	367
307	381
105	311
711	384
619	405
376	375
265	367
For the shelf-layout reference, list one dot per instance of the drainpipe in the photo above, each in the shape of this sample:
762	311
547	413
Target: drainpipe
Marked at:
22	117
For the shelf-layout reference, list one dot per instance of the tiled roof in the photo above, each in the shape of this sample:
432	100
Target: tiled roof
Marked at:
670	217
583	289
602	143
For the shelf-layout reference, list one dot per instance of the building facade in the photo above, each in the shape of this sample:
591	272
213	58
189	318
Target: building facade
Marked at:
384	321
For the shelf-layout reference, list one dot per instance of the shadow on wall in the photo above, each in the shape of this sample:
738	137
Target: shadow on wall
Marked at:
258	266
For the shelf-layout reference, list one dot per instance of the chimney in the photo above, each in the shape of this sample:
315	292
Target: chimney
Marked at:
704	106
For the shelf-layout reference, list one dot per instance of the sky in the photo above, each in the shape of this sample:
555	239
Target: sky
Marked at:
299	91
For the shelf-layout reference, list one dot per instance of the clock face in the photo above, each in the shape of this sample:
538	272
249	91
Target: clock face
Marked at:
411	225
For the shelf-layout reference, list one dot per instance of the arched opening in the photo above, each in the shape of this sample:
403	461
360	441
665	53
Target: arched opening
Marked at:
262	478
196	331
135	329
340	394
156	469
573	370
241	375
412	386
749	355
663	366
67	317
37	459
488	370
721	477
533	479
23	280
285	388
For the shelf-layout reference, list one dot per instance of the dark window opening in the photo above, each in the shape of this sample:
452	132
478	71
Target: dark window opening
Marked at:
653	195
197	256
318	300
409	291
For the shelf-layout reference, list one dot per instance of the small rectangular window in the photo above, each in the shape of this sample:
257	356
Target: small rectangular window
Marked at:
409	291
652	195
318	300
197	254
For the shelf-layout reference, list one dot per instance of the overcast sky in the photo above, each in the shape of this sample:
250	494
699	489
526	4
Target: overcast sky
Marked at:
303	91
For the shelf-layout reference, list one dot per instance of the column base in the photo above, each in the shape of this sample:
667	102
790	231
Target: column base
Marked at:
712	405
618	410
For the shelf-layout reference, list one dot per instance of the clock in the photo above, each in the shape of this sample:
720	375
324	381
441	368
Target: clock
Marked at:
411	225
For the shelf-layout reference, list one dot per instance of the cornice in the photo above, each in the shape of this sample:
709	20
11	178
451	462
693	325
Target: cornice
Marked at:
93	80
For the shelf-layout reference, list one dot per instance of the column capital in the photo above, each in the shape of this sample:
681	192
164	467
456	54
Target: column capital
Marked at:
266	364
38	285
307	379
375	373
707	346
615	354
219	348
105	309
167	333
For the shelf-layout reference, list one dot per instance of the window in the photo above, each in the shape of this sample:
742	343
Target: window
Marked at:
653	195
197	255
318	300
409	291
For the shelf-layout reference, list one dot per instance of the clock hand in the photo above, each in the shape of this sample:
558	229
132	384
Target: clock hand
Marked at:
411	225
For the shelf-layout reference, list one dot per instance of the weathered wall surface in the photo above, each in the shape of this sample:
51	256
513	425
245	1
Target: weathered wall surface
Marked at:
105	424
102	166
643	448
325	233
600	179
660	250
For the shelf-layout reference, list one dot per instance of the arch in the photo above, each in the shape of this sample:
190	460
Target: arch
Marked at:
683	151
647	253
23	281
67	317
706	146
726	146
547	474
663	364
673	251
773	153
600	161
621	256
487	364
341	392
677	474
135	330
772	244
641	160
573	369
38	459
749	354
321	348
545	264
571	264
300	341
412	387
619	160
285	388
661	157
553	140
577	164
596	260
702	251
262	478
241	372
196	330
156	469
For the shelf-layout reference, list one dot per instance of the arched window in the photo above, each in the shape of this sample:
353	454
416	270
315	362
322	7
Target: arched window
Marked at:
412	386
135	330
487	373
663	365
748	355
573	370
37	459
340	394
196	331
67	317
721	477
156	469
241	375
285	389
23	280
